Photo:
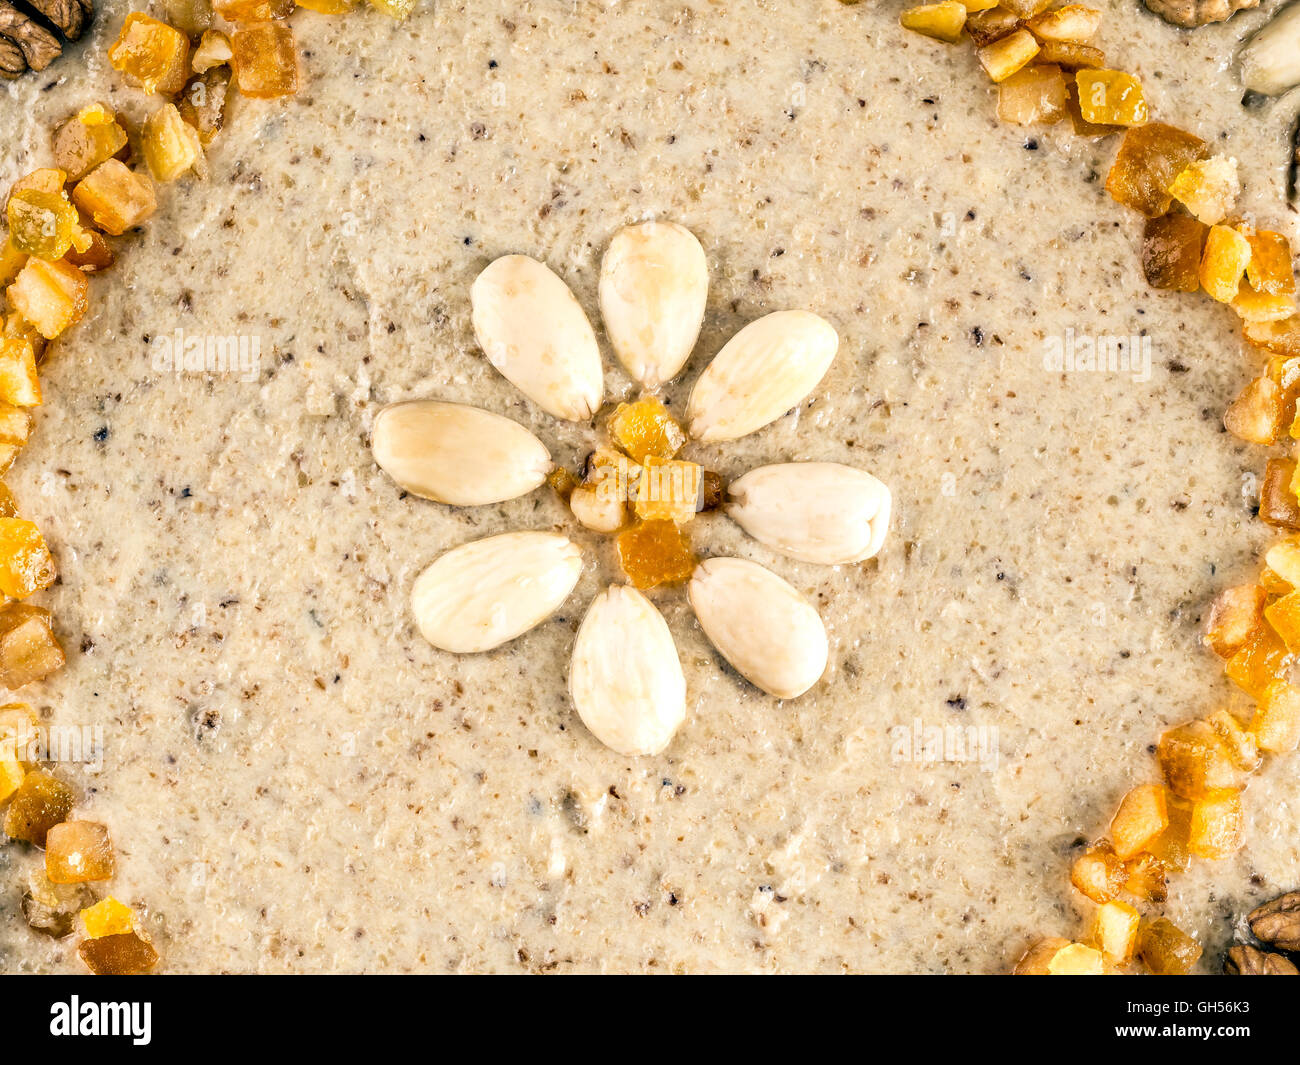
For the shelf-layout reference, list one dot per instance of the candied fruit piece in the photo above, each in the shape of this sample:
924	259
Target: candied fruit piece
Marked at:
1276	723
203	103
1171	848
79	147
19	727
1208	188
41	802
1270	269
1281	338
1277	502
265	60
19	385
1115	929
1261	660
151	55
1077	960
52	297
253	10
115	196
41	223
1237	614
11	775
1149	159
49	180
562	482
191	17
1071	55
1195	762
77	852
1147	877
943	21
1283	558
1171	252
95	256
1026	8
1218	825
171	145
1038	958
1273	584
1111	98
26	565
397	9
645	428
1098	873
985	27
1256	414
51	908
1073	22
655	552
1224	262
1032	95
15	428
1007	54
29	649
1240	743
1141	817
125	954
328	7
1284	616
1166	949
1252	306
668	489
107	917
11	261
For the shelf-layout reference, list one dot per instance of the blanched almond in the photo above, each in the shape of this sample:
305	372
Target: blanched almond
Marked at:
769	633
456	454
654	282
767	368
814	511
532	329
485	593
1270	61
626	680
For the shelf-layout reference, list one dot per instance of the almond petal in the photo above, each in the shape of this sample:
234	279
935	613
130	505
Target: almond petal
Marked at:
763	371
485	593
769	633
534	331
456	454
625	679
819	512
654	283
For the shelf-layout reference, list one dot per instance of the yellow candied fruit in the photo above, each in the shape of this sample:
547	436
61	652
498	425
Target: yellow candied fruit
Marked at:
1218	825
41	223
1261	660
1239	742
19	727
1098	873
1270	270
668	489
943	21
29	650
1276	723
11	776
45	179
1071	55
19	384
26	565
1141	817
1223	264
253	10
1280	338
151	55
655	552
1170	850
1284	616
1147	875
80	146
645	428
1007	54
1166	949
171	145
397	9
1036	961
1115	929
1236	615
125	954
52	297
115	197
107	917
77	852
41	802
1148	160
1278	505
11	261
1111	98
1077	959
1273	584
95	115
1071	23
1252	306
1208	188
1196	762
15	428
1256	415
1034	95
265	60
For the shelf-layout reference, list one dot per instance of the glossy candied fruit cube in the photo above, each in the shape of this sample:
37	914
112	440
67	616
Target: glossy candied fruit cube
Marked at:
1223	263
97	254
52	297
213	51
1252	306
1141	817
1282	559
26	565
655	552
253	10
191	17
11	261
1006	55
943	21
1033	95
80	146
1115	929
15	428
1276	723
11	774
1071	22
991	25
646	428
1240	742
1148	160
151	55
29	650
1195	762
47	179
125	954
1208	188
1147	877
1280	338
171	145
1256	414
77	852
398	9
265	60
1270	270
41	223
41	802
1111	97
1078	959
668	489
1171	252
1218	825
1073	56
1277	501
1171	849
203	102
115	197
1284	616
19	384
1166	949
107	917
1098	873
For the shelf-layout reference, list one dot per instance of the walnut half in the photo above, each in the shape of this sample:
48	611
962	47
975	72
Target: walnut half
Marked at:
1247	961
1192	13
25	42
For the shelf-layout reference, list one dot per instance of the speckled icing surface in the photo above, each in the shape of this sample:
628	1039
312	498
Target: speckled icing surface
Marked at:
296	781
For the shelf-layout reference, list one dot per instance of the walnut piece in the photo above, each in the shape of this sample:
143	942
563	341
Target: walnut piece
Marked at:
39	47
1247	961
67	16
1192	13
1277	923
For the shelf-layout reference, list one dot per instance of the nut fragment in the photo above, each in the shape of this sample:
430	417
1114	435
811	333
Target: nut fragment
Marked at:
625	679
1270	60
35	44
1277	923
1192	13
1247	961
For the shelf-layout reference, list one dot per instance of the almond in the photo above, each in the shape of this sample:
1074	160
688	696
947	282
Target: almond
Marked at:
456	454
769	633
763	371
485	593
625	679
532	329
819	512
1270	60
654	282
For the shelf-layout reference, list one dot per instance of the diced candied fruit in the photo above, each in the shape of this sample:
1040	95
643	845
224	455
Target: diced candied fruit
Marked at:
11	261
119	955
1115	929
15	428
265	60
52	297
51	908
655	552
107	917
41	223
77	852
11	775
1270	269
397	9
1224	262
1077	960
1256	414
1147	876
1070	55
1171	848
1284	616
328	7
1141	817
97	255
1235	616
171	145
41	802
1273	584
46	179
1277	502
29	649
1035	961
1280	338
943	21
985	27
151	55
79	147
116	197
203	102
1008	54
1218	825
253	10
8	505
1208	188
191	17
1240	743
1261	660
562	482
1073	22
213	51
1111	97
26	565
645	428
19	384
1252	306
1026	8
1098	873
1195	762
19	727
1276	723
1035	94
1171	252
1166	949
1149	159
668	489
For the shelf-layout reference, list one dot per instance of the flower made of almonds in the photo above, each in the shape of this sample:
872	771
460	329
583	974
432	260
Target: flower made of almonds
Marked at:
625	678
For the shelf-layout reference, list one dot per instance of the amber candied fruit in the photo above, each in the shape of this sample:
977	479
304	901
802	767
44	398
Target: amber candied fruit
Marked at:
1036	961
1098	873
15	428
1276	723
562	482
1261	660
1170	849
41	223
51	296
202	103
1147	876
1256	415
1208	188
151	55
990	25
1252	306
1141	817
1171	252
26	565
668	489
1277	502
1033	95
655	552
253	10
397	9
1281	338
1007	54
19	384
41	802
328	7
125	954
1235	616
1166	949
1270	269
265	60
11	774
1284	616
1239	742
11	261
1223	263
1196	762
1149	159
97	255
1218	825
646	428
943	21
79	146
171	145
115	197
1111	97
1072	55
29	650
107	917
77	852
